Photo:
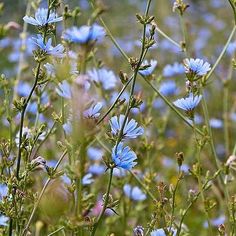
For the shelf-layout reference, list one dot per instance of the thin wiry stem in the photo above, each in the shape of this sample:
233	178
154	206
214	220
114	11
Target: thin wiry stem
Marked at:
114	103
41	193
222	53
104	205
150	84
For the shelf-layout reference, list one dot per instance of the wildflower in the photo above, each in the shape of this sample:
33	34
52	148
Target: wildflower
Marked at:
168	88
171	70
83	82
231	161
48	48
67	127
26	134
150	69
41	19
50	69
3	191
161	232
231	48
119	172
216	123
87	179
3	220
84	34
106	77
38	163
189	103
131	129
216	221
230	165
95	153
134	193
196	67
123	157
138	231
23	89
96	169
93	111
64	90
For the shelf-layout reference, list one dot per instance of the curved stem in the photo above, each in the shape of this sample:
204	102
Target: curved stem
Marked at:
105	204
173	200
23	46
166	36
159	94
42	192
233	8
234	150
204	188
141	58
213	150
114	103
172	107
222	53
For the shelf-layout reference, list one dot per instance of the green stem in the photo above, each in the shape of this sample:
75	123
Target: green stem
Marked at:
141	58
173	200
36	204
233	8
222	53
182	24
43	141
166	36
234	150
162	96
22	120
209	131
213	150
201	191
56	231
114	103
172	107
105	204
23	47
199	148
204	188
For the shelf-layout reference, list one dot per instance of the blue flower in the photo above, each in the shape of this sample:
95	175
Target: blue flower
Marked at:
175	69
161	232
93	111
50	69
131	129
168	88
3	191
188	103
123	157
134	193
106	77
150	69
40	18
87	179
95	153
196	67
57	51
26	133
138	231
3	220
64	90
216	123
23	89
67	127
96	169
84	34
216	221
